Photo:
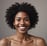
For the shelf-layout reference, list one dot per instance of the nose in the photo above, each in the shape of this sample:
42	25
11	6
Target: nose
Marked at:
22	22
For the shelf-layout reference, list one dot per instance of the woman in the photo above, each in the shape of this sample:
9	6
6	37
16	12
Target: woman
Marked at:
22	17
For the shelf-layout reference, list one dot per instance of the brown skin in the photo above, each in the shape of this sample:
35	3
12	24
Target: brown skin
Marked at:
22	38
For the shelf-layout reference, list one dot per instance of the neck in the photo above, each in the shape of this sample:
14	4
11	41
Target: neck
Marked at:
21	36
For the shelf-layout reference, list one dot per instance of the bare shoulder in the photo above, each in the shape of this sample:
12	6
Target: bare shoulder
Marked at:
3	42
39	41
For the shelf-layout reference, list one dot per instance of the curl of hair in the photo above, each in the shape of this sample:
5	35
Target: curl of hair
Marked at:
25	7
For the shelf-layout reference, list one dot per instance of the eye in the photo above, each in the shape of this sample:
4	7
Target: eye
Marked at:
26	19
18	19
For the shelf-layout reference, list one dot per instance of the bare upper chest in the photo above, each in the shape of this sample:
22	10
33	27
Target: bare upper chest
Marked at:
28	43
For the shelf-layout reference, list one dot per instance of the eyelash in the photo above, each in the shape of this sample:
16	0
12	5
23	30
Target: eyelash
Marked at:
18	19
26	19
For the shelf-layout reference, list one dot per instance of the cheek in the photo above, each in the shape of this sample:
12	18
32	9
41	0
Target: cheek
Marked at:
15	23
28	23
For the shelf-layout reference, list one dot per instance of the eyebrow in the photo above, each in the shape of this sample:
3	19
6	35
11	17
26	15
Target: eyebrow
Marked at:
20	17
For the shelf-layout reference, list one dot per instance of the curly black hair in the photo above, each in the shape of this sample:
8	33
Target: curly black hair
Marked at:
25	7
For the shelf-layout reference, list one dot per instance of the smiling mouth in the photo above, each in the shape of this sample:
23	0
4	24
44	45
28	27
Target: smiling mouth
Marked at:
22	28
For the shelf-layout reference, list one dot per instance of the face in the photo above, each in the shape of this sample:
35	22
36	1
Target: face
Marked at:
22	22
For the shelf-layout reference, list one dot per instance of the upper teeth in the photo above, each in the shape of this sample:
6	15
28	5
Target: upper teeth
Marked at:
22	27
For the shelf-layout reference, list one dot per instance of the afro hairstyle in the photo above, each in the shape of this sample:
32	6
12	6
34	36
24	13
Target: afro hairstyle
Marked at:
25	7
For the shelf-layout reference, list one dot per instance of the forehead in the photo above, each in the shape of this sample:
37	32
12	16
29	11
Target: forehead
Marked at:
22	14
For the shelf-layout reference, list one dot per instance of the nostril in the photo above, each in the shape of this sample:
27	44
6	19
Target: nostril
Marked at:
22	22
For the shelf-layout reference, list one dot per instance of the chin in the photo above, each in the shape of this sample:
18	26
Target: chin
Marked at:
22	31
